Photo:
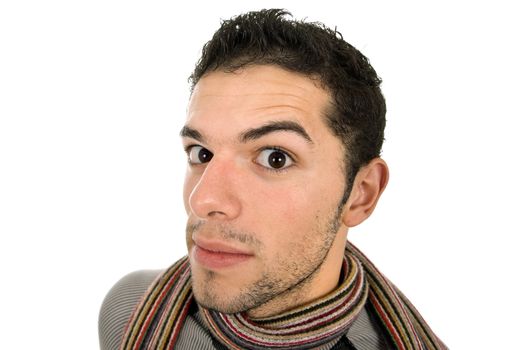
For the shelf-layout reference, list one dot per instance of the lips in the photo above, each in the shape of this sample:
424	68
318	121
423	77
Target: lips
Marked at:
215	255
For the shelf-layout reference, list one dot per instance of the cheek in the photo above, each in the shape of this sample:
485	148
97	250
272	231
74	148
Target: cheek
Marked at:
284	216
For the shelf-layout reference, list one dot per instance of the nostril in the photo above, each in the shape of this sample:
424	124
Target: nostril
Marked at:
219	205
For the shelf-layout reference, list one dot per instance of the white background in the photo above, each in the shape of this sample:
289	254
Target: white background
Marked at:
93	94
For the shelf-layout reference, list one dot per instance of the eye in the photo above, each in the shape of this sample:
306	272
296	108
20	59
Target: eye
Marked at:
274	159
198	155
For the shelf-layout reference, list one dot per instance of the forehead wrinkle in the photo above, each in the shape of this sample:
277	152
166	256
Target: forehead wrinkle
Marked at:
287	99
279	106
302	93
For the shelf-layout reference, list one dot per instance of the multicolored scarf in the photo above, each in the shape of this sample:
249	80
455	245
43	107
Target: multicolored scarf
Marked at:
159	317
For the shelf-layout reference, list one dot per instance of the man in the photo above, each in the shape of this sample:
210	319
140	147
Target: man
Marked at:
283	135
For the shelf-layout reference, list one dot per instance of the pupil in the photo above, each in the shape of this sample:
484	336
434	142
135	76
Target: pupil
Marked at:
204	155
277	160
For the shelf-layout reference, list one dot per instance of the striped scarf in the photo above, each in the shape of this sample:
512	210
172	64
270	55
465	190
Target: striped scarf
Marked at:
158	319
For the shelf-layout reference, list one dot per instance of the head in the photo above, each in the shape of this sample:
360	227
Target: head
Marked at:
356	112
285	120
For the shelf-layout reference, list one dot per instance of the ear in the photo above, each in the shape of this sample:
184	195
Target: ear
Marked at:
369	184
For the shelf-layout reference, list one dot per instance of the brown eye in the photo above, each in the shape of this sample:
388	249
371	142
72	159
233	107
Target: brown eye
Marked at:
277	159
199	155
274	159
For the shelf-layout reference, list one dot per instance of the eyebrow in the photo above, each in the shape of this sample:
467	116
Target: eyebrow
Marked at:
255	133
188	131
286	125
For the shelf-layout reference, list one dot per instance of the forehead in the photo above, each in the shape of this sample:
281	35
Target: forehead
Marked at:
228	102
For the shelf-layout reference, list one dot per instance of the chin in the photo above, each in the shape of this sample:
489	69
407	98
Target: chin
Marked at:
213	302
226	300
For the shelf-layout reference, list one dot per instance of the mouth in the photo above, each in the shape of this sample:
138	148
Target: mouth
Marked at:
215	255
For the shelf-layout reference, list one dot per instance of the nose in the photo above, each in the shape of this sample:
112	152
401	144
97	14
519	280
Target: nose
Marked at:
215	194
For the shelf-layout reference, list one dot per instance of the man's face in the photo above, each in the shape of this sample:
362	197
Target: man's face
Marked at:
262	191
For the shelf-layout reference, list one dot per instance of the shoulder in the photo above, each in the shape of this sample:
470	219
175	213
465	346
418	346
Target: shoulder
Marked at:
119	304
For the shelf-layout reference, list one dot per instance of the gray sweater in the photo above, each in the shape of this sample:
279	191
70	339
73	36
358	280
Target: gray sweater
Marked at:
365	333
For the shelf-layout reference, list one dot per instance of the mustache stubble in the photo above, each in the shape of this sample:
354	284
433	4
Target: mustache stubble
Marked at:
223	232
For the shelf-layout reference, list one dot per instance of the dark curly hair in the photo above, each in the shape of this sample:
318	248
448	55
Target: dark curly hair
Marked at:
356	114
